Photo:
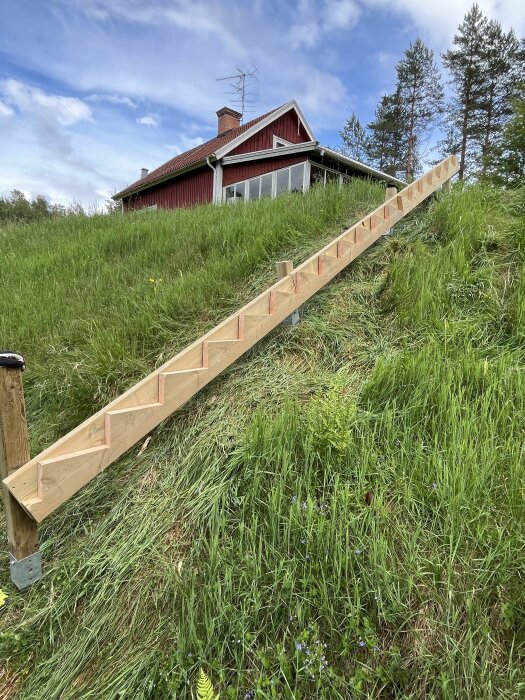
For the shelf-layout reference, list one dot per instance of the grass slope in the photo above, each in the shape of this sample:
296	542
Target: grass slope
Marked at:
240	540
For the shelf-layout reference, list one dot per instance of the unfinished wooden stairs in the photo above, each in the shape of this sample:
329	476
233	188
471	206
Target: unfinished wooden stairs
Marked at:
50	478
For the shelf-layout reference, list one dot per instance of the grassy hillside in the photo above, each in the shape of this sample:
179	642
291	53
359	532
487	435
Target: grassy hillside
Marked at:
240	540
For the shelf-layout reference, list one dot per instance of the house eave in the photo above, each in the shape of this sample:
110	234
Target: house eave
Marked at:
378	174
128	192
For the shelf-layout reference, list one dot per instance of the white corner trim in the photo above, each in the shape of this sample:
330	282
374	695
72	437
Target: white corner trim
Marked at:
264	123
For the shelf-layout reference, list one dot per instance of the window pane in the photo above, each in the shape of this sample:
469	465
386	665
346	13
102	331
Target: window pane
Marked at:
331	175
316	175
296	178
240	188
230	192
282	181
254	188
266	185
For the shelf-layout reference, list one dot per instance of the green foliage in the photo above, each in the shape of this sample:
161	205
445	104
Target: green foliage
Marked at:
204	688
422	99
354	138
240	541
508	157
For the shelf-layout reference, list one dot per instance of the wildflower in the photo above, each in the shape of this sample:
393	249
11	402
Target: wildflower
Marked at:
361	643
3	598
358	551
298	646
303	540
294	499
375	648
434	486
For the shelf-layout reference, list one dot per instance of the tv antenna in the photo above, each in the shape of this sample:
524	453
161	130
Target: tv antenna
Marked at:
242	96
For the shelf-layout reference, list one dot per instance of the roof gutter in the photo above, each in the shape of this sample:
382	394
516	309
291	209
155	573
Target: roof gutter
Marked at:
361	166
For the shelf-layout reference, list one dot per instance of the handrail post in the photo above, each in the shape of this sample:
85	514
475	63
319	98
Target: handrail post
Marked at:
285	268
22	534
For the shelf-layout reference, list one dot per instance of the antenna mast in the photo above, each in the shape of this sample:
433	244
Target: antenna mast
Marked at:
242	97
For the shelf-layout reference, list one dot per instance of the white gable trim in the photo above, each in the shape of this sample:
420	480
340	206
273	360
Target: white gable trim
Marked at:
270	153
264	123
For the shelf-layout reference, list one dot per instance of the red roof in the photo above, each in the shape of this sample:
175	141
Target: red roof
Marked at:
191	157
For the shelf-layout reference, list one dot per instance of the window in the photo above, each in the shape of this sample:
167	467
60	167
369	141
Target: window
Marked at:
320	174
266	185
269	185
278	142
234	193
297	178
283	179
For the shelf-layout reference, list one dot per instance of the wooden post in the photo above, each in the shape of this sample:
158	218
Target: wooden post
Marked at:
284	268
446	186
22	532
390	192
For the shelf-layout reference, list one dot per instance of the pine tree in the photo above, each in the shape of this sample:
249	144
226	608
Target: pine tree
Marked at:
354	139
422	99
465	64
386	144
502	67
508	162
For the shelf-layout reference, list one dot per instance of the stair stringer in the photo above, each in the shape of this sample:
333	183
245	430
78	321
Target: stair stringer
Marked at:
52	477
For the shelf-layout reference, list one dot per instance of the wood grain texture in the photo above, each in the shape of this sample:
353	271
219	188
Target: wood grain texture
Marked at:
22	532
130	417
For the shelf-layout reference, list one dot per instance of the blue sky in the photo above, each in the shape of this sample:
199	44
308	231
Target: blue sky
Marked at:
93	90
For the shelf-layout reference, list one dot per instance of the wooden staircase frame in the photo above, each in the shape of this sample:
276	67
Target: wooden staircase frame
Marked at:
52	477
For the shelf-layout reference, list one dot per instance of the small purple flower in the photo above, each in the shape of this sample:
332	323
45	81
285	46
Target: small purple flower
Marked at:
299	646
358	551
375	648
294	499
361	643
434	486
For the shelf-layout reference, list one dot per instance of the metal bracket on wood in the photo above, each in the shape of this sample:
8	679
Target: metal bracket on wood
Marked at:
26	571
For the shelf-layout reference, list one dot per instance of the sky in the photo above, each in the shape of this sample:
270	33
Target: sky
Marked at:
91	91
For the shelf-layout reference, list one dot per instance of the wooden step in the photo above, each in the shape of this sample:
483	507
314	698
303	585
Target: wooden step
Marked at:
51	477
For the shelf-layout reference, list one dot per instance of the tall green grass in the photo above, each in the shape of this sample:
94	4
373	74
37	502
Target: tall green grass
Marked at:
240	540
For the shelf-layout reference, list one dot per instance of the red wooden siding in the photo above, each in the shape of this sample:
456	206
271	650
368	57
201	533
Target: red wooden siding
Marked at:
195	187
288	127
243	171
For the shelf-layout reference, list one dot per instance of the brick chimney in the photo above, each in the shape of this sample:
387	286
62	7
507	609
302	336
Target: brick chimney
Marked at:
228	119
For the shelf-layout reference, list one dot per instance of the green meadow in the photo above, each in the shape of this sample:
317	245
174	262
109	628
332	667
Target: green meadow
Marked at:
339	515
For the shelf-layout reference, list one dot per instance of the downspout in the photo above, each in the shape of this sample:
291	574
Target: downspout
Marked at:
214	197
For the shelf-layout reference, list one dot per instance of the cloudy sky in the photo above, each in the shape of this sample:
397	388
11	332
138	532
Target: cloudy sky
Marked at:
93	90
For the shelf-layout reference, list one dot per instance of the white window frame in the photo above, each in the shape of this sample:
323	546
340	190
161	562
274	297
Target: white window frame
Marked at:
273	173
327	169
281	142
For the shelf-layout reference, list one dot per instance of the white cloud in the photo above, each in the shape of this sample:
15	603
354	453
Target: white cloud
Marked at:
184	143
340	14
114	100
320	19
440	19
149	120
5	110
65	110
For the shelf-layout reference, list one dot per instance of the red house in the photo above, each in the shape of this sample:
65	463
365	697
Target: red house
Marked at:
276	152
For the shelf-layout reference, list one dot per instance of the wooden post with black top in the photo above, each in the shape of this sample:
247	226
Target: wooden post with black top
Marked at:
22	534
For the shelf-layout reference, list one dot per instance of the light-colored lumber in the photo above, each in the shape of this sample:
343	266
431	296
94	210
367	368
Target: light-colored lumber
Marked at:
46	481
